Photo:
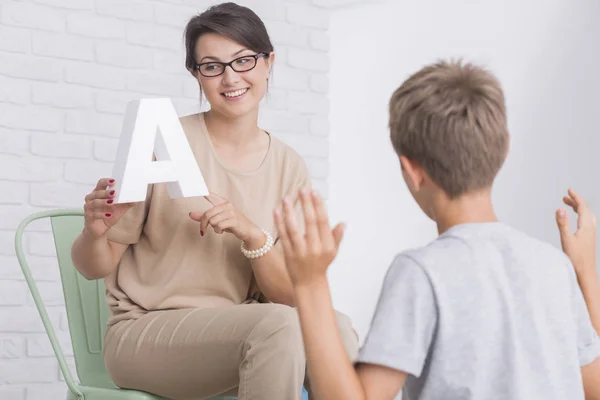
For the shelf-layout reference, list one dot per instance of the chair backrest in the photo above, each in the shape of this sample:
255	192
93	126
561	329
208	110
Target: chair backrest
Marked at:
87	311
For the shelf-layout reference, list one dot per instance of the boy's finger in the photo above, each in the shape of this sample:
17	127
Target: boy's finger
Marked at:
310	220
562	220
291	226
338	234
585	216
570	202
323	222
578	201
282	230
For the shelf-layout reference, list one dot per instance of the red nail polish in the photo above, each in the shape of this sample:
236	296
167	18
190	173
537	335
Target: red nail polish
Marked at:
201	233
111	181
112	192
108	215
110	201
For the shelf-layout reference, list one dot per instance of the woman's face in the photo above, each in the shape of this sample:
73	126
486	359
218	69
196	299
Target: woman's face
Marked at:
231	93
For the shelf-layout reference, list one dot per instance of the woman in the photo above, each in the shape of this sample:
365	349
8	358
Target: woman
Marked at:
185	277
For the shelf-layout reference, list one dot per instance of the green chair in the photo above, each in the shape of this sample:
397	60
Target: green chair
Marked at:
87	313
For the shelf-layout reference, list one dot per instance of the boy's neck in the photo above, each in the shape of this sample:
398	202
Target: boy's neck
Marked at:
474	207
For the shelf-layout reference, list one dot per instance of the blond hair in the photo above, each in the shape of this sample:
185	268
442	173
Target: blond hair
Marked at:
450	117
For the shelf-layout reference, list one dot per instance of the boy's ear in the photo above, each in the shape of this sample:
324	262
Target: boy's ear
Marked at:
414	173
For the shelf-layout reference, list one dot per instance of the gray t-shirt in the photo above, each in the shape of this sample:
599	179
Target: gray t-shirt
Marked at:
483	312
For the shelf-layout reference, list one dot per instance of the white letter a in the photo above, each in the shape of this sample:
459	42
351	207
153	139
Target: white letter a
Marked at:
149	123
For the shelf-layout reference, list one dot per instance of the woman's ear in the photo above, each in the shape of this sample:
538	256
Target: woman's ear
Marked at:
270	61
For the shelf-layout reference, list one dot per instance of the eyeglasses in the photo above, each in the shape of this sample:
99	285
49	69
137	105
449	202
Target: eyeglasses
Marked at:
242	64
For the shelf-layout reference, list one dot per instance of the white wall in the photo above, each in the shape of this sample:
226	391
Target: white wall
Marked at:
67	69
546	55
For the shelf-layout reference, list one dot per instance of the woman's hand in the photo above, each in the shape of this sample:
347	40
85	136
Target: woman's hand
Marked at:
225	217
100	212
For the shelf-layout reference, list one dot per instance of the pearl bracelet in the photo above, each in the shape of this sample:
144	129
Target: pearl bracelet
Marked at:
259	252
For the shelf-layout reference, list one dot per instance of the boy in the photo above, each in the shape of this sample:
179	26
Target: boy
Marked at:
484	311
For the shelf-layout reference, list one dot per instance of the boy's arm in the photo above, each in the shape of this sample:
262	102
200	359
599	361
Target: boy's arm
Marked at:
590	370
402	327
331	372
581	249
590	375
590	289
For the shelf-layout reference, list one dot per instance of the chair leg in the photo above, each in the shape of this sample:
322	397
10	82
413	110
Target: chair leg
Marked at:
72	396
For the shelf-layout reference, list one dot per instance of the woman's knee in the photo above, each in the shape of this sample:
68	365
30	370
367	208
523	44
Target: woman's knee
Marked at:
280	327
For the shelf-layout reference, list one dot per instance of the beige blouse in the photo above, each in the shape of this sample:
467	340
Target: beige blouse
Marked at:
168	265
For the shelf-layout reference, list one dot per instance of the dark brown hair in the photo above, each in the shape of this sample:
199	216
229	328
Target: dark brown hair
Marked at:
450	117
232	21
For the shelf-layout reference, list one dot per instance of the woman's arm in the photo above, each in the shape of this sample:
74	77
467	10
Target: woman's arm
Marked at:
92	253
270	271
96	257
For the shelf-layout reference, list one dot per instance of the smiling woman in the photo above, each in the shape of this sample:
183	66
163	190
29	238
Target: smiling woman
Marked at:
230	44
201	302
232	71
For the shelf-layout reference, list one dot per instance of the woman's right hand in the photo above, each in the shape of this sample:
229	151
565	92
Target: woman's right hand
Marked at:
100	212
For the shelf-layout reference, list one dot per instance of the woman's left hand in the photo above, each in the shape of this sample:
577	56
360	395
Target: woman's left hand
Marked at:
225	217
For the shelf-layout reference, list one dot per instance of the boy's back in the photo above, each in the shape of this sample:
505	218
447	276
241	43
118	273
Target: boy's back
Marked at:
483	312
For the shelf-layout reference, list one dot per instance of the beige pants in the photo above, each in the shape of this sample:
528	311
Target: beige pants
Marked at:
252	350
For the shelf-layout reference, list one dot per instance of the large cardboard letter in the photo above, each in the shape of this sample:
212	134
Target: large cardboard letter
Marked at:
152	127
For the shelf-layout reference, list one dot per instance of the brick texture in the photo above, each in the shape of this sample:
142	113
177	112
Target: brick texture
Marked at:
67	70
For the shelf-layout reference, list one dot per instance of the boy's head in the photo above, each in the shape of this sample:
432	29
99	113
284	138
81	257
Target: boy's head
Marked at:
448	126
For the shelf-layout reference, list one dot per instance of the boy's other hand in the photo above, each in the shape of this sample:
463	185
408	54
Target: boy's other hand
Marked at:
580	246
307	256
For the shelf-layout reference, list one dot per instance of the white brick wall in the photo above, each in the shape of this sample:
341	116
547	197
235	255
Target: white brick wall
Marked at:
67	69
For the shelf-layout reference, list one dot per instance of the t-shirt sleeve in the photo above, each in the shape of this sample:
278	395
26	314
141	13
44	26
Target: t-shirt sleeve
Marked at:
588	343
404	321
130	226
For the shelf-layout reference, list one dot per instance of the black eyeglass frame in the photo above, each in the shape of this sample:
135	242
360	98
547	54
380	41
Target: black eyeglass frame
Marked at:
230	64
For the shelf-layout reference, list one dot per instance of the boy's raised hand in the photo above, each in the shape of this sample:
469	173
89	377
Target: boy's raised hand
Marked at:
580	246
307	255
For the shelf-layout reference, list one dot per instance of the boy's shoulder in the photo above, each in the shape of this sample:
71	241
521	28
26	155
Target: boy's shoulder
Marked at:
476	242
